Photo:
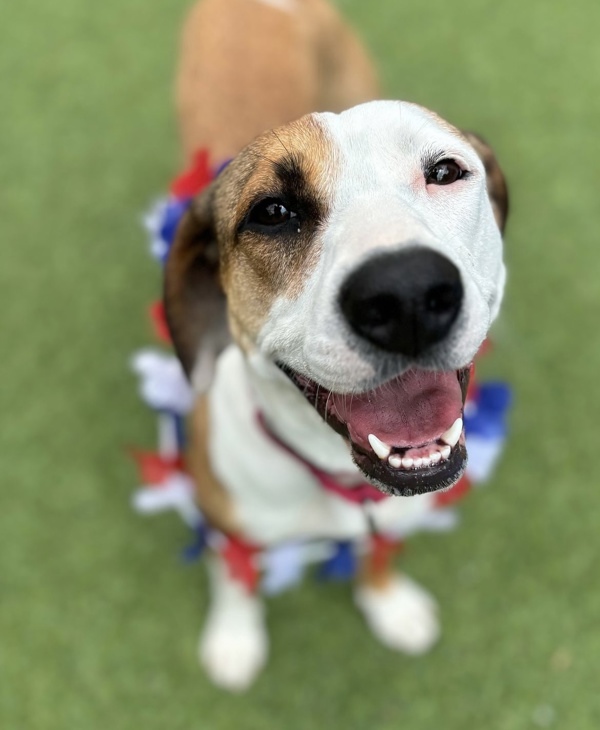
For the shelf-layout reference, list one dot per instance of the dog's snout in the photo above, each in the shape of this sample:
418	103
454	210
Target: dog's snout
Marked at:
403	302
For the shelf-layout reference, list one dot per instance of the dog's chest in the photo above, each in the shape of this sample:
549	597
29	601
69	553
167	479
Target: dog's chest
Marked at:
276	495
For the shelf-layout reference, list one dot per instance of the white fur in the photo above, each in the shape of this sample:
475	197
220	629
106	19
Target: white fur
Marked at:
403	616
276	497
234	643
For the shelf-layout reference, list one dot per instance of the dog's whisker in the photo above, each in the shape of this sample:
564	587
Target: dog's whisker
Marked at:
262	156
274	132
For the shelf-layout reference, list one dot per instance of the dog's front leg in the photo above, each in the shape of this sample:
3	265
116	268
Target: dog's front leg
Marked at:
234	643
399	612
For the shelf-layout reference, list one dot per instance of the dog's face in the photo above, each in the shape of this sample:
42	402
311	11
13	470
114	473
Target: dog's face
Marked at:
361	253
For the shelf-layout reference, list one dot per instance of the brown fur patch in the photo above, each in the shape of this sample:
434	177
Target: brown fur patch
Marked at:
373	574
213	500
214	256
246	67
194	300
296	164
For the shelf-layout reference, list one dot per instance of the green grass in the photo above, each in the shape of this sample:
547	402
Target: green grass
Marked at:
98	620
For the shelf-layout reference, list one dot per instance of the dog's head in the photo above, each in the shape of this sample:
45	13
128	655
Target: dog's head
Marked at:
361	253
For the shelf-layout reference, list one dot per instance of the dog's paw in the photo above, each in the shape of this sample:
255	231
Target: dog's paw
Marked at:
403	616
234	645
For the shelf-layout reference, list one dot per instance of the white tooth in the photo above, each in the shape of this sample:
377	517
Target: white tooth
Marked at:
395	461
452	435
379	447
407	462
418	463
426	461
435	457
446	452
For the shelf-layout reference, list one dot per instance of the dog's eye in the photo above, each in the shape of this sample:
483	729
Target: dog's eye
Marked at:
444	172
270	212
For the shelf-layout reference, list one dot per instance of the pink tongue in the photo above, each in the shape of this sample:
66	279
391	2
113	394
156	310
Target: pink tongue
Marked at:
411	410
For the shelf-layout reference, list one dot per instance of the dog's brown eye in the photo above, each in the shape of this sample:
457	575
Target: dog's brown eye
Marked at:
270	212
444	173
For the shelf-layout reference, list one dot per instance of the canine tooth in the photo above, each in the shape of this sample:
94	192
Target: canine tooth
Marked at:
452	435
435	457
407	462
446	452
395	461
379	447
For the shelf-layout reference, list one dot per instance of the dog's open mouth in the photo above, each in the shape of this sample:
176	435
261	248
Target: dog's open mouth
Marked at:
406	435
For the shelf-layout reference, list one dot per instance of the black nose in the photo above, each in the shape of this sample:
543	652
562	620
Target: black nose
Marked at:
403	302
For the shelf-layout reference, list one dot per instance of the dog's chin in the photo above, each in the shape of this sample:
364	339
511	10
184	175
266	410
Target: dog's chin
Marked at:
405	435
407	483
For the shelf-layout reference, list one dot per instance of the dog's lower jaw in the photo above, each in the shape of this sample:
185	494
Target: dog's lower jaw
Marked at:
429	481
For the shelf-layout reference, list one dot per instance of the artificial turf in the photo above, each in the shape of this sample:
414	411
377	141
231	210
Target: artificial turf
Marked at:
98	619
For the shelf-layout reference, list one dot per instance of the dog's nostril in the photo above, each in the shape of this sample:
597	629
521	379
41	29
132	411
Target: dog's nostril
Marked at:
403	302
376	311
441	298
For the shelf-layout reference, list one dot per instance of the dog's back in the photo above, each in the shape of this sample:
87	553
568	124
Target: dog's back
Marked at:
249	65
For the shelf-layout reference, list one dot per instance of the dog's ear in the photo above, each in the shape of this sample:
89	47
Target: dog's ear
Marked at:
496	182
195	304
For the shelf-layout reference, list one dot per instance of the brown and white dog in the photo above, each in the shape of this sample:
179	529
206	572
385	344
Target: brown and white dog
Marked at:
354	259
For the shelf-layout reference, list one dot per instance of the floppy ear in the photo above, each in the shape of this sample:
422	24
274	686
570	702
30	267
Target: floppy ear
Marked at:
195	304
496	182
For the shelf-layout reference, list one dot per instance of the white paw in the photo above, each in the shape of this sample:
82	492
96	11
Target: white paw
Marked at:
403	616
234	646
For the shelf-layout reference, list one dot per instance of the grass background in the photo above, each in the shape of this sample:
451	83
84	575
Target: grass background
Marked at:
98	620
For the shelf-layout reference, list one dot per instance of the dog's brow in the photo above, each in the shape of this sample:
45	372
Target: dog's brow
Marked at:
290	173
431	155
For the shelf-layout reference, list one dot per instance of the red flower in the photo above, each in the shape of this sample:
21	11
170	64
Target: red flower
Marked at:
195	178
159	321
383	550
156	469
240	559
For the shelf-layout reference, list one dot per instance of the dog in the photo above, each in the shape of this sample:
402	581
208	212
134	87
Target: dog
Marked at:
326	295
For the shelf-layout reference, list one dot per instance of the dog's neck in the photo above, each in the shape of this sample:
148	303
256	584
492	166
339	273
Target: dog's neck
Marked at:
293	420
